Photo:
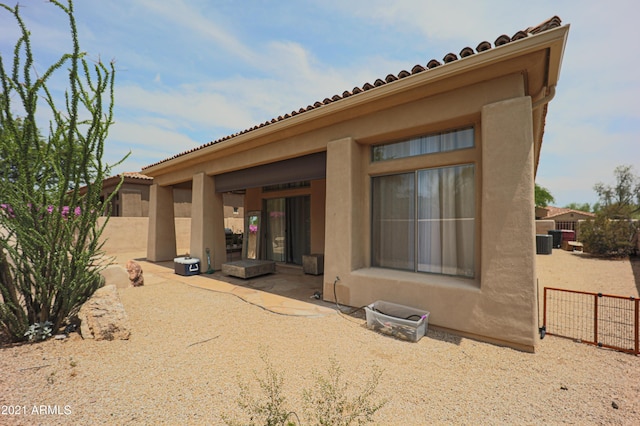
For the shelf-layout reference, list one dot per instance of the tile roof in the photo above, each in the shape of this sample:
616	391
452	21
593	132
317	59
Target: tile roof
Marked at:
557	211
136	175
128	176
549	24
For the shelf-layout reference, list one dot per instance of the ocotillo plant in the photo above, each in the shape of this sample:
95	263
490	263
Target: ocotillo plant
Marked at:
51	181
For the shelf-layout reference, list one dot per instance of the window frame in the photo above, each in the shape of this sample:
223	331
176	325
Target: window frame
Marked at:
414	164
409	143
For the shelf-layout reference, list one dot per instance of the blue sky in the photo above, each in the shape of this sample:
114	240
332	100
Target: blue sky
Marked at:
192	71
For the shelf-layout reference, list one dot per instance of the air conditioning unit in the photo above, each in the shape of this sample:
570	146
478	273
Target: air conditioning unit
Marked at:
544	244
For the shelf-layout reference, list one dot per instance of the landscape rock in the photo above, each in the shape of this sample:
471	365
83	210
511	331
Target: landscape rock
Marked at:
116	275
103	317
135	273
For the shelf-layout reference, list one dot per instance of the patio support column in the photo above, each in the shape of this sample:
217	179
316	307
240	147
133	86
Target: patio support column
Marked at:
507	273
345	211
161	241
207	222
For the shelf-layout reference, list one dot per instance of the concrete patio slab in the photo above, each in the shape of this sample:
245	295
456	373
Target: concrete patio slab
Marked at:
249	291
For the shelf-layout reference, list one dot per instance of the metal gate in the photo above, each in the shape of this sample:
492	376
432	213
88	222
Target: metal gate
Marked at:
595	318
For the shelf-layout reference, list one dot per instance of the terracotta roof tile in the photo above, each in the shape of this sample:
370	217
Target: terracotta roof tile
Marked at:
519	35
557	211
416	69
450	57
483	46
502	40
433	63
467	51
136	175
390	78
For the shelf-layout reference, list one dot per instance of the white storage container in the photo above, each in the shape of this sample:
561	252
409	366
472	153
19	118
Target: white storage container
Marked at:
396	320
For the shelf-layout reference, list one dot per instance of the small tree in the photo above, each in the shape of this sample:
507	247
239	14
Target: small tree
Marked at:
50	245
613	232
542	196
584	207
606	237
622	200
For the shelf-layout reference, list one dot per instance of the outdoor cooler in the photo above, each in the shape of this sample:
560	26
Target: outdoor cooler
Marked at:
186	265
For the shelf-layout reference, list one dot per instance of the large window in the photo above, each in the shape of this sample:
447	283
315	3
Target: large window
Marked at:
424	220
429	144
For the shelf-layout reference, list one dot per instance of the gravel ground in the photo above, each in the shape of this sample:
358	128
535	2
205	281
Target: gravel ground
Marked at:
191	348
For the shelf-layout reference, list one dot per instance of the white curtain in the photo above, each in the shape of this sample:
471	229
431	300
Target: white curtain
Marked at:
275	249
446	224
439	142
393	234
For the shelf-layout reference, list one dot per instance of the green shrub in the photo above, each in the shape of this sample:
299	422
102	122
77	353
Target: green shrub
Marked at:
269	409
39	331
608	238
331	401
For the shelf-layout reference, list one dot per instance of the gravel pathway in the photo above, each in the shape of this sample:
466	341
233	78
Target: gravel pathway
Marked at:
191	348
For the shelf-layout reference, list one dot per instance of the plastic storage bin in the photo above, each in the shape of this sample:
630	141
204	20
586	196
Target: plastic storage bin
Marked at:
186	265
396	320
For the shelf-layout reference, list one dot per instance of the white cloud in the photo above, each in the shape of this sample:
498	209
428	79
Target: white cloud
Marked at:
190	71
188	16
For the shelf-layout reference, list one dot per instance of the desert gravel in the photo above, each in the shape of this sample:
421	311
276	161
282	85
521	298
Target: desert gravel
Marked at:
190	348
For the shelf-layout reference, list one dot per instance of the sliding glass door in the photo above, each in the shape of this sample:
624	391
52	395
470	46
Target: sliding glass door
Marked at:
288	232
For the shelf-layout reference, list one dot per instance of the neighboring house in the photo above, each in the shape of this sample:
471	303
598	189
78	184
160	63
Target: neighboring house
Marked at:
564	218
417	188
132	200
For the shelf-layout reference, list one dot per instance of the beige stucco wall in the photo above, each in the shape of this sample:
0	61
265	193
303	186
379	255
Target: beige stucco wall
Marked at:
499	303
544	226
129	234
234	212
254	200
132	199
541	212
182	202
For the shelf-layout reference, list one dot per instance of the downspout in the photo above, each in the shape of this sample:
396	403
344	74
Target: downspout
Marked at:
546	99
535	105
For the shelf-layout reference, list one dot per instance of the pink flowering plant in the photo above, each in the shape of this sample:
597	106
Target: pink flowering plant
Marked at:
50	186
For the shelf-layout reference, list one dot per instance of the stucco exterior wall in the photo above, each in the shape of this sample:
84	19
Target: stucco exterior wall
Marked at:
499	304
234	212
501	94
132	200
129	234
182	202
544	226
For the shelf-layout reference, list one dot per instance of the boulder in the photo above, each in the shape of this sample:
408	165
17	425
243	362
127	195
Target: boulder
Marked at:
116	275
135	273
102	317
